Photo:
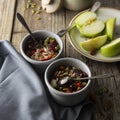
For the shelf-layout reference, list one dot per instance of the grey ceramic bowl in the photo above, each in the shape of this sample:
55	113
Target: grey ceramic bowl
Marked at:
40	66
67	99
77	5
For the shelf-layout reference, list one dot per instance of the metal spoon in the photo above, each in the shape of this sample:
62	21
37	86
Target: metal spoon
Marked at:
23	22
68	79
94	8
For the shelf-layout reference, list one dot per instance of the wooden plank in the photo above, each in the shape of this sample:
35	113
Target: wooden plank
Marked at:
56	21
100	68
7	8
51	22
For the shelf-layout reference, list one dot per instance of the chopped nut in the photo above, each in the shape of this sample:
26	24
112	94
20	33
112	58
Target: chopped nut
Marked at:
64	74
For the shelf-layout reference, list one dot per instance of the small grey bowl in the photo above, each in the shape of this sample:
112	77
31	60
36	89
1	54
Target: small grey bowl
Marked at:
40	66
67	99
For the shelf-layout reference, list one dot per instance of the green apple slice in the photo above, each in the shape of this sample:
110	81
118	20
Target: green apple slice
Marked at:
94	43
110	25
111	49
93	29
85	18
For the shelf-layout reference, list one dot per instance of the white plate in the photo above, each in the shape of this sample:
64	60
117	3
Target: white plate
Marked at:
75	37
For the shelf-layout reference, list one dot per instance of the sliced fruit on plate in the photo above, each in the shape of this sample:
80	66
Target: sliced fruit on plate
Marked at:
94	43
85	18
111	49
93	29
110	26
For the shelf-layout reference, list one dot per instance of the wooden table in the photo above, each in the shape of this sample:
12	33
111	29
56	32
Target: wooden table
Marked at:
13	31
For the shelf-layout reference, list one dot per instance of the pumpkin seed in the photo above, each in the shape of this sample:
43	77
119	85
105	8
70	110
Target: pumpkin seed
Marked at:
33	11
39	18
39	8
29	1
34	7
24	8
38	11
28	5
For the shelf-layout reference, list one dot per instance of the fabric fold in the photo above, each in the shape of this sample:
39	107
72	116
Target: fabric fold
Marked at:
24	95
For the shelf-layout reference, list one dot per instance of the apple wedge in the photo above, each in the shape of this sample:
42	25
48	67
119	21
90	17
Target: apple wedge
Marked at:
110	26
111	49
85	18
93	29
94	43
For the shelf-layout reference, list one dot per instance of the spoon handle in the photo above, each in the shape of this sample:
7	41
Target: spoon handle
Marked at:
95	6
96	77
23	22
62	32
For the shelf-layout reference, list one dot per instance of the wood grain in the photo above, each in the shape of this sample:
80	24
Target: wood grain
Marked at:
7	9
54	22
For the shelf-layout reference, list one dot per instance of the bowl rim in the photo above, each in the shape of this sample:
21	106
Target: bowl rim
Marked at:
41	31
63	93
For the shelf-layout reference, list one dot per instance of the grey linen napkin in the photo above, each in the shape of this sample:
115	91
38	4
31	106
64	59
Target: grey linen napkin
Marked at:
23	95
